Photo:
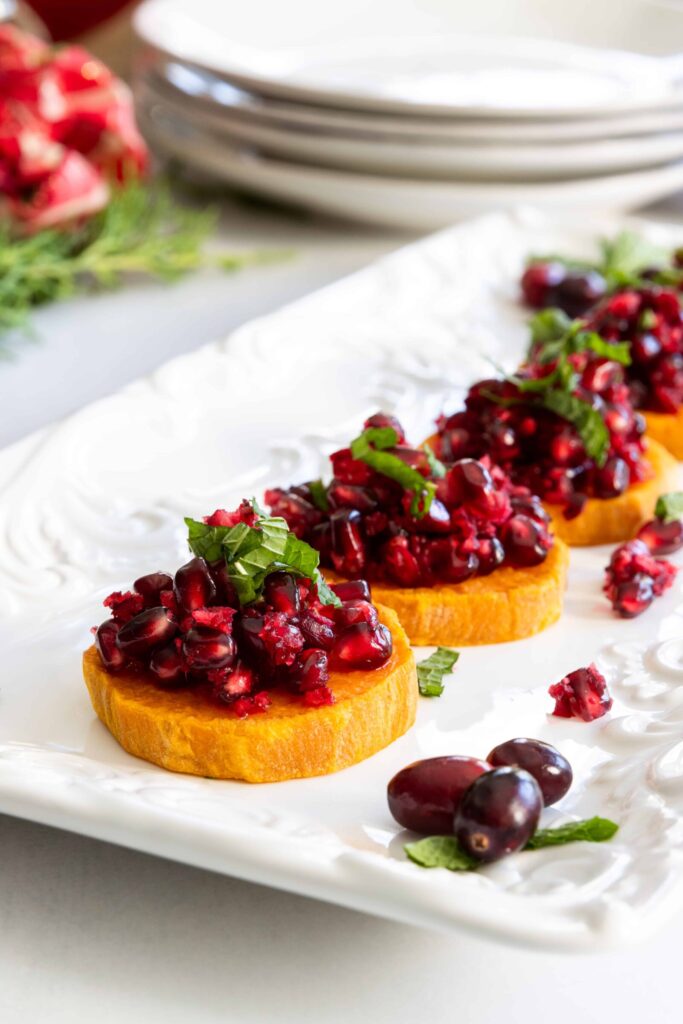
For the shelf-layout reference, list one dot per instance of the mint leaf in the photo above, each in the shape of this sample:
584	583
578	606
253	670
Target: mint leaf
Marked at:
370	448
592	830
549	325
617	351
669	507
440	852
589	424
431	671
436	467
325	594
319	495
205	541
626	256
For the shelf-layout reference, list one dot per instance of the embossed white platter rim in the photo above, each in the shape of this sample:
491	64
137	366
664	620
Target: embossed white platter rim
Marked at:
88	504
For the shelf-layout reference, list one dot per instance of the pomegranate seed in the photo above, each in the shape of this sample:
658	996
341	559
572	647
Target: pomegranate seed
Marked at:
150	629
662	538
634	596
281	592
447	560
578	292
490	554
282	639
352	612
168	667
312	670
341	495
436	520
413	457
363	646
105	640
352	590
151	585
236	682
124	606
348	550
300	515
349	470
319	697
613	479
468	481
525	542
226	593
317	629
383	419
193	586
539	282
205	648
581	694
400	563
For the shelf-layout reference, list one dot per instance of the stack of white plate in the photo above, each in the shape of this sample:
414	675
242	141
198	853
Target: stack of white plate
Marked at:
414	114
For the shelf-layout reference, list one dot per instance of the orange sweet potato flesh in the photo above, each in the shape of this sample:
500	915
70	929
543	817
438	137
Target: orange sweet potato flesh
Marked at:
507	605
667	429
184	732
612	520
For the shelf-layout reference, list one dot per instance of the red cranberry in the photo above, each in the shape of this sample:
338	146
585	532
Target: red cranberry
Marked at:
498	814
552	771
312	670
348	550
150	629
351	590
168	667
383	419
525	542
363	646
105	640
205	648
662	538
151	585
612	479
281	592
539	282
581	694
425	795
193	586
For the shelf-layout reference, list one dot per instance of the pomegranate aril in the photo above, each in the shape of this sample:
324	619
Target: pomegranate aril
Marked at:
150	629
490	554
383	419
168	667
247	631
236	682
300	515
312	670
539	283
581	694
413	457
579	291
425	795
352	612
498	814
282	639
226	594
634	596
193	585
612	479
281	592
363	646
348	550
400	563
437	519
205	648
662	538
341	495
351	590
447	560
468	480
151	585
549	767
526	543
105	640
348	469
317	629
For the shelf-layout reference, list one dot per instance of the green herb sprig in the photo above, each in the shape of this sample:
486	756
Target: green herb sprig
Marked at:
252	552
669	506
143	231
371	447
622	262
445	851
431	671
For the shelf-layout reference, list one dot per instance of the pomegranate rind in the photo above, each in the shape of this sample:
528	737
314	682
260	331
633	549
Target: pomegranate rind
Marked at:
184	732
510	604
612	520
667	429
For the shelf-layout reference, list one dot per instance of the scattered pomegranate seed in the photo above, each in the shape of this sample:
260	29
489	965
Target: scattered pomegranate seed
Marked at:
662	538
581	694
124	606
634	578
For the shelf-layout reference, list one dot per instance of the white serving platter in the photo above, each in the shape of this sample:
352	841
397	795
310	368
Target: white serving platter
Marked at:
434	58
399	202
88	504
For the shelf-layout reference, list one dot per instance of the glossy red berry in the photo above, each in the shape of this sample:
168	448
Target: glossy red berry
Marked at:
105	640
424	796
193	585
151	586
662	538
205	648
363	646
168	667
549	767
498	814
150	629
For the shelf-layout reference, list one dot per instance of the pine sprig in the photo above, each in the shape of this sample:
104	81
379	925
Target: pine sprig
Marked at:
142	232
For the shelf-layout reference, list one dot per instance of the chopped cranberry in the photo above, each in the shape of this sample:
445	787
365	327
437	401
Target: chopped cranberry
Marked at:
150	629
282	593
341	495
167	665
206	648
662	538
400	563
216	617
151	586
256	705
194	587
244	514
319	697
363	646
105	640
282	639
634	578
124	606
347	469
581	694
232	683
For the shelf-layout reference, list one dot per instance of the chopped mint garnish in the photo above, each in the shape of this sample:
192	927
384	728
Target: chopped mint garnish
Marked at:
440	852
437	467
669	507
319	495
623	260
592	830
431	671
252	552
445	851
589	424
549	325
370	448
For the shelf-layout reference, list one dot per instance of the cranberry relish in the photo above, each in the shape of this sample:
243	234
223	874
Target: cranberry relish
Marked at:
192	630
543	450
365	522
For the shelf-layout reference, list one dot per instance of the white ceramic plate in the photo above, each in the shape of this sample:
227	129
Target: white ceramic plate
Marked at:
434	58
390	201
223	97
87	505
481	161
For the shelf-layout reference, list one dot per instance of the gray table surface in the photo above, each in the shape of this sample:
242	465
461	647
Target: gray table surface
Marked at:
94	932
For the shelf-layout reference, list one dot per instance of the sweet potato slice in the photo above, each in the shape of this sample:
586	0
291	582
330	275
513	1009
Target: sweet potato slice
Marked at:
667	429
185	732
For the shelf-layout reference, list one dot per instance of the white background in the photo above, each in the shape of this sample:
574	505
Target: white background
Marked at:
92	932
